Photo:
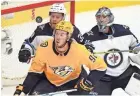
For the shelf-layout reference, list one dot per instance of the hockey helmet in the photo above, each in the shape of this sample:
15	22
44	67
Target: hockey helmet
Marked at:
105	12
58	8
65	26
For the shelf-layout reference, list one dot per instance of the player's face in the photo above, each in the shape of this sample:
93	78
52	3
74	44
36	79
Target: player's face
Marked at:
60	38
56	17
102	20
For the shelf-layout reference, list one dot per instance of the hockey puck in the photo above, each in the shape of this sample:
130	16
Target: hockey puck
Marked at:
39	19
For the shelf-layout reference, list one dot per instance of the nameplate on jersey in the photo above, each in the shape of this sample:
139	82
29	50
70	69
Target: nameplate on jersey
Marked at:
44	44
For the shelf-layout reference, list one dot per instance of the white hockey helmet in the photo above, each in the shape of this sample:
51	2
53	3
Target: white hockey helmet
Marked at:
58	8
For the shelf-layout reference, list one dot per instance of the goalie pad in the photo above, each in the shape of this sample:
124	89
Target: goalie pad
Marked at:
119	92
133	86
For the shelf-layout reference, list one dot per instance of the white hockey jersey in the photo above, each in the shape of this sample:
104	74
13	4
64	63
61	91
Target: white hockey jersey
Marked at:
120	39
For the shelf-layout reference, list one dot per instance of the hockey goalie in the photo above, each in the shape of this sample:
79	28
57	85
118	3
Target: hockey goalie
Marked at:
113	42
133	86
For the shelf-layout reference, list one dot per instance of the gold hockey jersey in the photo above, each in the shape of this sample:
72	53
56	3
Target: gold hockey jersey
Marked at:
62	68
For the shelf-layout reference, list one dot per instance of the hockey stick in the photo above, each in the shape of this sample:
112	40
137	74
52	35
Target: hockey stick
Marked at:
104	52
59	92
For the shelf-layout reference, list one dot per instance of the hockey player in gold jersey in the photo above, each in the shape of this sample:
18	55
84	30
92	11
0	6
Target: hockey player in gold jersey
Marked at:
59	65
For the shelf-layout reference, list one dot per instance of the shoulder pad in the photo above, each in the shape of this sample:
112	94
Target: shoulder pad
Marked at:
95	29
121	27
44	44
90	33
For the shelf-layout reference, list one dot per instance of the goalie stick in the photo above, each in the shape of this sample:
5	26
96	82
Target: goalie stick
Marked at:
104	52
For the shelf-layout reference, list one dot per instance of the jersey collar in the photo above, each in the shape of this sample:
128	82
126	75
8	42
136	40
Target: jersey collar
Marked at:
57	53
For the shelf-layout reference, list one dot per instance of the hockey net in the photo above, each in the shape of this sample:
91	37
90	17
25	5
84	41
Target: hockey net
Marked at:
14	72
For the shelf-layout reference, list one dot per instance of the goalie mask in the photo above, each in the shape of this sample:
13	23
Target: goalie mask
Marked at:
104	18
65	26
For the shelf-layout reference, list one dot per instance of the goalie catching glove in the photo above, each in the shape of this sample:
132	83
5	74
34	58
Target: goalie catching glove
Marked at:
24	55
84	86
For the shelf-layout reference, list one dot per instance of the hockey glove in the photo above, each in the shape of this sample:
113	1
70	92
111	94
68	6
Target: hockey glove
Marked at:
84	87
18	91
24	55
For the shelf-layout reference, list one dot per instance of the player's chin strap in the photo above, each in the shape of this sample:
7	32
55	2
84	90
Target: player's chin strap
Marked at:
63	44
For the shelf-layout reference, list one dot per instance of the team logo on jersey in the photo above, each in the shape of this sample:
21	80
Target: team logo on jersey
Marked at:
113	58
44	44
62	70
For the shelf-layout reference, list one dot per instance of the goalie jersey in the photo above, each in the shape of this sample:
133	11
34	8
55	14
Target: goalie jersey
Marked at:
62	68
120	38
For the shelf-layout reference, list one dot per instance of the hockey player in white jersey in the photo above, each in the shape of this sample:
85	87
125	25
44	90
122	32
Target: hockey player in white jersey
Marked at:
110	39
43	32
